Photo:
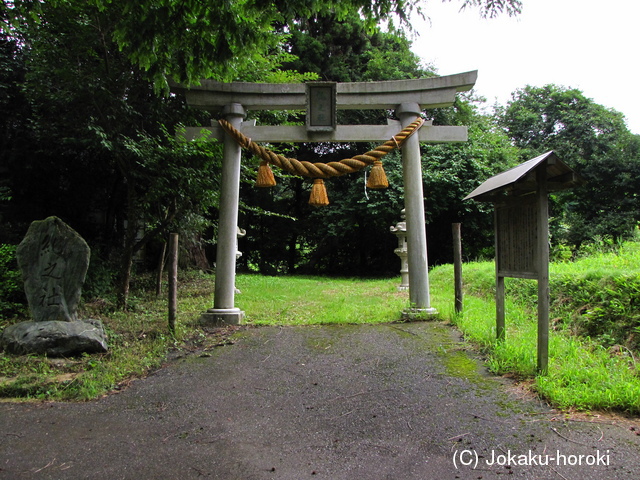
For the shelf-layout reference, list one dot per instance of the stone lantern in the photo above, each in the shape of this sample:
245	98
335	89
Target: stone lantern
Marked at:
241	233
400	231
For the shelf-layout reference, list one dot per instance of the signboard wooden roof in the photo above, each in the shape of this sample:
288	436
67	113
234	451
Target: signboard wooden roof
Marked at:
521	180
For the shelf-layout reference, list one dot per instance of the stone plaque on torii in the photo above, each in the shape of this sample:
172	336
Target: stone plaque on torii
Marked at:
406	97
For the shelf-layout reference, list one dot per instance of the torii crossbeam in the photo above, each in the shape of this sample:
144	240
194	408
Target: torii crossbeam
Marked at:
407	97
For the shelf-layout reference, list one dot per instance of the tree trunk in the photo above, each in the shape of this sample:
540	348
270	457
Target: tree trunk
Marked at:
160	270
173	281
125	277
196	255
130	240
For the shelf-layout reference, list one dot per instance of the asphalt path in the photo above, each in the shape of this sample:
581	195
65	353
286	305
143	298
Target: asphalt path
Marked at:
397	401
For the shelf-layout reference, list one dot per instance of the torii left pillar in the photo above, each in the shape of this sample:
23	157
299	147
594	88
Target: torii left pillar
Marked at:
224	310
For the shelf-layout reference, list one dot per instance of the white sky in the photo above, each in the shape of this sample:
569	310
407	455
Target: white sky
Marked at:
592	45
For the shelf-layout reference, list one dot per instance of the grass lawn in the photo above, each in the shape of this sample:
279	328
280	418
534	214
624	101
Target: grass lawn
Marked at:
319	300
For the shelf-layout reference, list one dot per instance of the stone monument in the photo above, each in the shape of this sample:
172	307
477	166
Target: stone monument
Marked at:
53	259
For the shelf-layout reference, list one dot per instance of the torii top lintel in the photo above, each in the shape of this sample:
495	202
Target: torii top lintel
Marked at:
431	92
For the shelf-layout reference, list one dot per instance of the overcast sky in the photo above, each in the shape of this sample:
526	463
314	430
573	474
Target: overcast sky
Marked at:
592	45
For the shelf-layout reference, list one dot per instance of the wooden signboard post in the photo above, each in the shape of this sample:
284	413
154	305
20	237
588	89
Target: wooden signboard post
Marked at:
521	221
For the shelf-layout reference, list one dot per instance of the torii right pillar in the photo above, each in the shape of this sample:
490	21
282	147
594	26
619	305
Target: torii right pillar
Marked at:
419	296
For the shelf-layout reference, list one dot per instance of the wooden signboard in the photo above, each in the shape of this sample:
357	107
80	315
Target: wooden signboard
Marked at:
522	251
516	232
520	197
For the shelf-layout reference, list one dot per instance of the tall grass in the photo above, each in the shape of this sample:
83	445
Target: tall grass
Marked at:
585	373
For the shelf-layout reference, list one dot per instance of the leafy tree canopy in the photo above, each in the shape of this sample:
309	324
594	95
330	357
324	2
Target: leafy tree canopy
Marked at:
562	119
85	128
592	139
192	39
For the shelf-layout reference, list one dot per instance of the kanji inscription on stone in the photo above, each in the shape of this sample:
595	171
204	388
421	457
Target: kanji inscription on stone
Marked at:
53	259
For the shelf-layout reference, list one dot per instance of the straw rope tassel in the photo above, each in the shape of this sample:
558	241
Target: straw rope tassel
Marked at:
377	178
265	175
318	196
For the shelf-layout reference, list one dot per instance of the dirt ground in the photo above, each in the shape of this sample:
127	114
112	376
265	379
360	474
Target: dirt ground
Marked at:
396	401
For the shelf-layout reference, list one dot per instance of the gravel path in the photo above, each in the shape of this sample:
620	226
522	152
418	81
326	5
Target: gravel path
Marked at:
401	401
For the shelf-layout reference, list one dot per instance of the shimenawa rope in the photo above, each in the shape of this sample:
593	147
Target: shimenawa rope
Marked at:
319	170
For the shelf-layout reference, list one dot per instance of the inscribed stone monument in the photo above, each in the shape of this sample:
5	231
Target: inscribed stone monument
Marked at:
53	259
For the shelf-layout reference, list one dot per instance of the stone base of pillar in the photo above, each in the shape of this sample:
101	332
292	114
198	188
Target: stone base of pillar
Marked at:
412	314
219	317
402	288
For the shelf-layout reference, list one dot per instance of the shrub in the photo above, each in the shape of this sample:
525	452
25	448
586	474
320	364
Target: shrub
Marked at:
100	279
12	298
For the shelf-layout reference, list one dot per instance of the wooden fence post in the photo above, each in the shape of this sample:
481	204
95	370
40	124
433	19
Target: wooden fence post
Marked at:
457	265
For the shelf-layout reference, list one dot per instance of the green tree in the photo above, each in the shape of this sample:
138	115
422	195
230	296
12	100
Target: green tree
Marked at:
87	109
97	153
83	78
592	139
452	171
346	51
188	40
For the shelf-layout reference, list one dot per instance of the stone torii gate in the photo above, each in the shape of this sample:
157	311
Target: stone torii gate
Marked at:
407	97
